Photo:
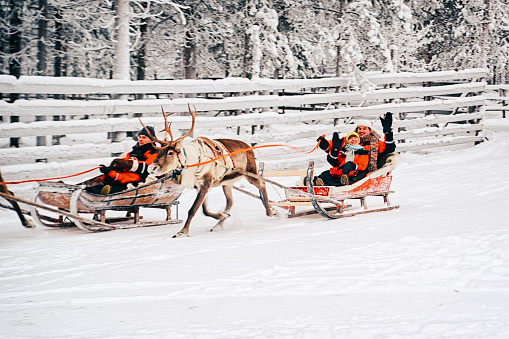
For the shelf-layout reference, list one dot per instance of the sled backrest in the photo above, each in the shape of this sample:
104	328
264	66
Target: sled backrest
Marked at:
283	173
389	160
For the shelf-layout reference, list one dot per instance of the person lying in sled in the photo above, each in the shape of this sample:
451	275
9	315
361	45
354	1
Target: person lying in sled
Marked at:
347	163
130	169
378	150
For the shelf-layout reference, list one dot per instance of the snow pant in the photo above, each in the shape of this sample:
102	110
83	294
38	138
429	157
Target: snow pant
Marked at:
330	180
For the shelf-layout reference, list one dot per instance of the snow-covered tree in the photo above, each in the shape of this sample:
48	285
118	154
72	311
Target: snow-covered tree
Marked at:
43	38
340	36
121	66
269	47
458	34
17	46
212	38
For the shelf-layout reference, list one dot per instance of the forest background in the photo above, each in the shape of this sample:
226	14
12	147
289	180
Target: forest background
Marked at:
162	39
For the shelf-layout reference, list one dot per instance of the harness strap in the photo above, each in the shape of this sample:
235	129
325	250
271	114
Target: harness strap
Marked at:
253	148
229	164
224	151
183	165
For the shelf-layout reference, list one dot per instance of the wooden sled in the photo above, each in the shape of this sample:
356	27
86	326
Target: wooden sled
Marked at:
72	201
330	201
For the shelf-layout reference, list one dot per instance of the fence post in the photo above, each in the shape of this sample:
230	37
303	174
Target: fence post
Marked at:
41	140
14	142
56	138
116	136
427	98
503	93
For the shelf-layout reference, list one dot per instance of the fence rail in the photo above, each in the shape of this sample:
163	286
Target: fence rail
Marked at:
49	85
431	110
498	99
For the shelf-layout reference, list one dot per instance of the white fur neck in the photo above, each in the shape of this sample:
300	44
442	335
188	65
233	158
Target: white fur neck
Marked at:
190	154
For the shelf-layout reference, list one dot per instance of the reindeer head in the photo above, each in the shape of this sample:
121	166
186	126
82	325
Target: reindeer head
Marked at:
169	155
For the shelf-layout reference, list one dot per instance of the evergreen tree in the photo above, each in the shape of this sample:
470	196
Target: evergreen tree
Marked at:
267	38
459	34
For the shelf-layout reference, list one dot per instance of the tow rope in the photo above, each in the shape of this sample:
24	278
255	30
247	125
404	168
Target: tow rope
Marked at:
193	165
37	180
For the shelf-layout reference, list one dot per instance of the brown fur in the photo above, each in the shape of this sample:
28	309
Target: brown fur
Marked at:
205	177
24	221
120	164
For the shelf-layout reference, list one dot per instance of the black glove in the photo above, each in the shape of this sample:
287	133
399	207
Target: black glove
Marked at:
105	169
349	167
336	144
386	121
336	140
343	152
389	137
324	144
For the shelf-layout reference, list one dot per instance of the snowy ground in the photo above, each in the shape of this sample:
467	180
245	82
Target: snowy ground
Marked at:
438	267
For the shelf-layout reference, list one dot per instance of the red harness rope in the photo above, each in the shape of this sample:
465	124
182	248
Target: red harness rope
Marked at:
193	165
37	180
252	148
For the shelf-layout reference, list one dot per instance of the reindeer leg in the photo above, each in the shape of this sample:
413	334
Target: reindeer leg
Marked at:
227	189
24	221
265	198
202	193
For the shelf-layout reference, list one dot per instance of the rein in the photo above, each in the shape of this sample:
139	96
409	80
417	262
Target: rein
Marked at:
252	148
186	166
37	180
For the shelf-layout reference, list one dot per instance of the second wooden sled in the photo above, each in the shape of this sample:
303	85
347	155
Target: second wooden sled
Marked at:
333	202
75	200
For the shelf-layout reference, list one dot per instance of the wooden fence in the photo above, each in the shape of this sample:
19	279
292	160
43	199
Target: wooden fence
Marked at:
70	124
497	100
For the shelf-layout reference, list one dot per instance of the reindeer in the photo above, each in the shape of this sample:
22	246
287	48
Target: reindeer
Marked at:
176	157
24	221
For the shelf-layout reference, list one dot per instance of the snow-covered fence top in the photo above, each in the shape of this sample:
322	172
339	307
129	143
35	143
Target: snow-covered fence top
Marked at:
431	110
50	85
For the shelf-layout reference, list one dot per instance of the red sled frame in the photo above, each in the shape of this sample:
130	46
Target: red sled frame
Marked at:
331	201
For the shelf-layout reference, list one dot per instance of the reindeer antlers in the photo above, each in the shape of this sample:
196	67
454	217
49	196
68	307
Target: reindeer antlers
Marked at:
167	128
167	125
193	119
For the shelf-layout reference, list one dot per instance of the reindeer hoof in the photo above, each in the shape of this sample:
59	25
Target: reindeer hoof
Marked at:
272	212
223	216
29	224
219	224
180	235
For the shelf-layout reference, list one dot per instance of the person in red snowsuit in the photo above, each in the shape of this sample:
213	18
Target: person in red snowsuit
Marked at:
129	169
352	159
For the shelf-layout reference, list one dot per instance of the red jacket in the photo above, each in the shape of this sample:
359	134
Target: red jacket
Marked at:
361	160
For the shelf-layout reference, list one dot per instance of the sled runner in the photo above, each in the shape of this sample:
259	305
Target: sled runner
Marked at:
72	201
330	201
